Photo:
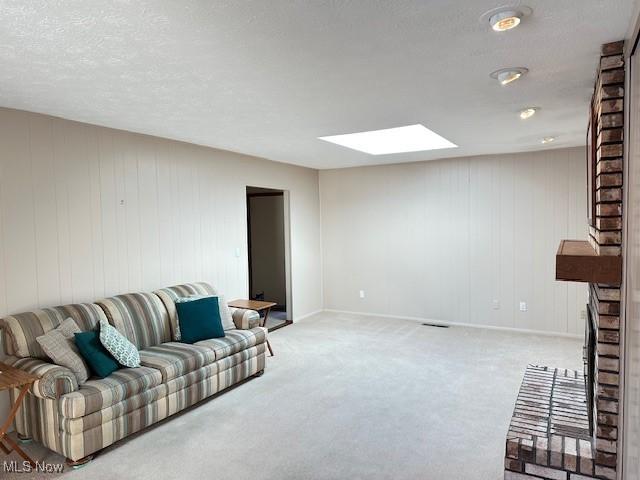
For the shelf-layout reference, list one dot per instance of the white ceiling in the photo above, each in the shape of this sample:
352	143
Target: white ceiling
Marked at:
267	77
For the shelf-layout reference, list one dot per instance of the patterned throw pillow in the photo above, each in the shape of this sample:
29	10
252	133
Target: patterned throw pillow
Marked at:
118	346
60	347
225	313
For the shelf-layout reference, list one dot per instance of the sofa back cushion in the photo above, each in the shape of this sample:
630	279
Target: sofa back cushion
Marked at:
169	295
141	317
22	329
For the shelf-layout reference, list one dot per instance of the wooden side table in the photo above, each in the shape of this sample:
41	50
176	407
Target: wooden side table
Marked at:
258	306
11	377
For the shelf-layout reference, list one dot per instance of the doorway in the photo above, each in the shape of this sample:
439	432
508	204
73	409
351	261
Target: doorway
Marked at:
268	246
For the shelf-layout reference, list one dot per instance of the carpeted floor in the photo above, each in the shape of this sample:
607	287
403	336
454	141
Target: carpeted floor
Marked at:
348	397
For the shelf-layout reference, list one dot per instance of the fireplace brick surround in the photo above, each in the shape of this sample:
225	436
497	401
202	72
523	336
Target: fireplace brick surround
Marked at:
606	238
549	436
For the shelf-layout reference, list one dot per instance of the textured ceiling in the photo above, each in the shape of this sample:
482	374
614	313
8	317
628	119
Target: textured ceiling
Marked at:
266	77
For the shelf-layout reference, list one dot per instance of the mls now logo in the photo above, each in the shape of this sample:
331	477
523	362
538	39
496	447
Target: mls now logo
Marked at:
26	467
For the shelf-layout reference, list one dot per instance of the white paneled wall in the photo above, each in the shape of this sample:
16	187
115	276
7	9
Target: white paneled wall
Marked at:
444	240
87	212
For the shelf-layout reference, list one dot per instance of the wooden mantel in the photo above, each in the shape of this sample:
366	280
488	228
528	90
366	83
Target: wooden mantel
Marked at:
577	261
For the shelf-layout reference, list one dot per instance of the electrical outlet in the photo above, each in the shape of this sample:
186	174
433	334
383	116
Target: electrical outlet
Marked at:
583	314
523	306
496	304
361	293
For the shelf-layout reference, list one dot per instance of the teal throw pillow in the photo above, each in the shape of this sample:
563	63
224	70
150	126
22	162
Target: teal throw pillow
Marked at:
97	357
199	320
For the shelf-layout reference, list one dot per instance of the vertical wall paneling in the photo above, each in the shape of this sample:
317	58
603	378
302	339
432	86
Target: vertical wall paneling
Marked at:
3	249
108	202
148	207
60	155
45	214
506	241
95	195
166	224
87	212
18	215
78	186
443	240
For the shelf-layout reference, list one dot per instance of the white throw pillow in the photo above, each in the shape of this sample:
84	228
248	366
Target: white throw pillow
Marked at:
118	346
225	314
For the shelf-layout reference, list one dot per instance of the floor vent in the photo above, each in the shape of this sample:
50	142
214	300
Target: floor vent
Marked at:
434	325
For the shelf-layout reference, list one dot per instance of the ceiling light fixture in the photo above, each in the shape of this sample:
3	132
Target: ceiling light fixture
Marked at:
528	112
547	140
503	21
412	138
508	75
506	17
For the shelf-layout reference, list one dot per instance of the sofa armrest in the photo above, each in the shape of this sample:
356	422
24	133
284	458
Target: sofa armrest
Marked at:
54	381
245	319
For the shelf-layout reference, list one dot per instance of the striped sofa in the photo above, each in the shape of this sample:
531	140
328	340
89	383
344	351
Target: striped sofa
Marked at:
78	420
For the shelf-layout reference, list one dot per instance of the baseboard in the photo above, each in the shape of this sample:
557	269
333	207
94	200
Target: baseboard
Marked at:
460	324
308	315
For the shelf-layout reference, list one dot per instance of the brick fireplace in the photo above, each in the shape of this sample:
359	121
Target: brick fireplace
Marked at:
565	425
606	238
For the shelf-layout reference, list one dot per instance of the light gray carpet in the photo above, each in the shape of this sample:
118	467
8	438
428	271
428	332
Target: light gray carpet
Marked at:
349	397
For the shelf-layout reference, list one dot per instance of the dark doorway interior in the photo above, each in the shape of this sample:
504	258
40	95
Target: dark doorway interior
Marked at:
266	234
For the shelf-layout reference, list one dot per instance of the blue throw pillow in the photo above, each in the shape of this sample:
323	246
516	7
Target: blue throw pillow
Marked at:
97	357
199	320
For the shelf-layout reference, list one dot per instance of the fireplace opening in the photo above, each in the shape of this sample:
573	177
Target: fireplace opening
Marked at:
589	358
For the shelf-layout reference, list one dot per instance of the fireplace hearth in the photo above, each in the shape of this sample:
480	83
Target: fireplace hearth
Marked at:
549	436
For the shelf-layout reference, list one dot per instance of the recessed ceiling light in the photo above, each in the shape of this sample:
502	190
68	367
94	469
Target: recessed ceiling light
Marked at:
528	112
505	18
508	75
412	138
546	140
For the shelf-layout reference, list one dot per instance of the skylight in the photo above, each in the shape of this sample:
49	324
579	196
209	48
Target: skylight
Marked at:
412	138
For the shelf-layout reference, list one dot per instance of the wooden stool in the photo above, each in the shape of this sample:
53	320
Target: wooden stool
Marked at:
11	377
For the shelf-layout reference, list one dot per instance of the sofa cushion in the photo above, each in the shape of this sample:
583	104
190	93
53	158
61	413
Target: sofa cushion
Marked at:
234	341
188	289
81	424
141	317
24	328
101	393
95	419
174	359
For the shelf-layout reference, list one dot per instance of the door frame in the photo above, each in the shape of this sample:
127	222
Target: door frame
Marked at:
287	242
630	51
